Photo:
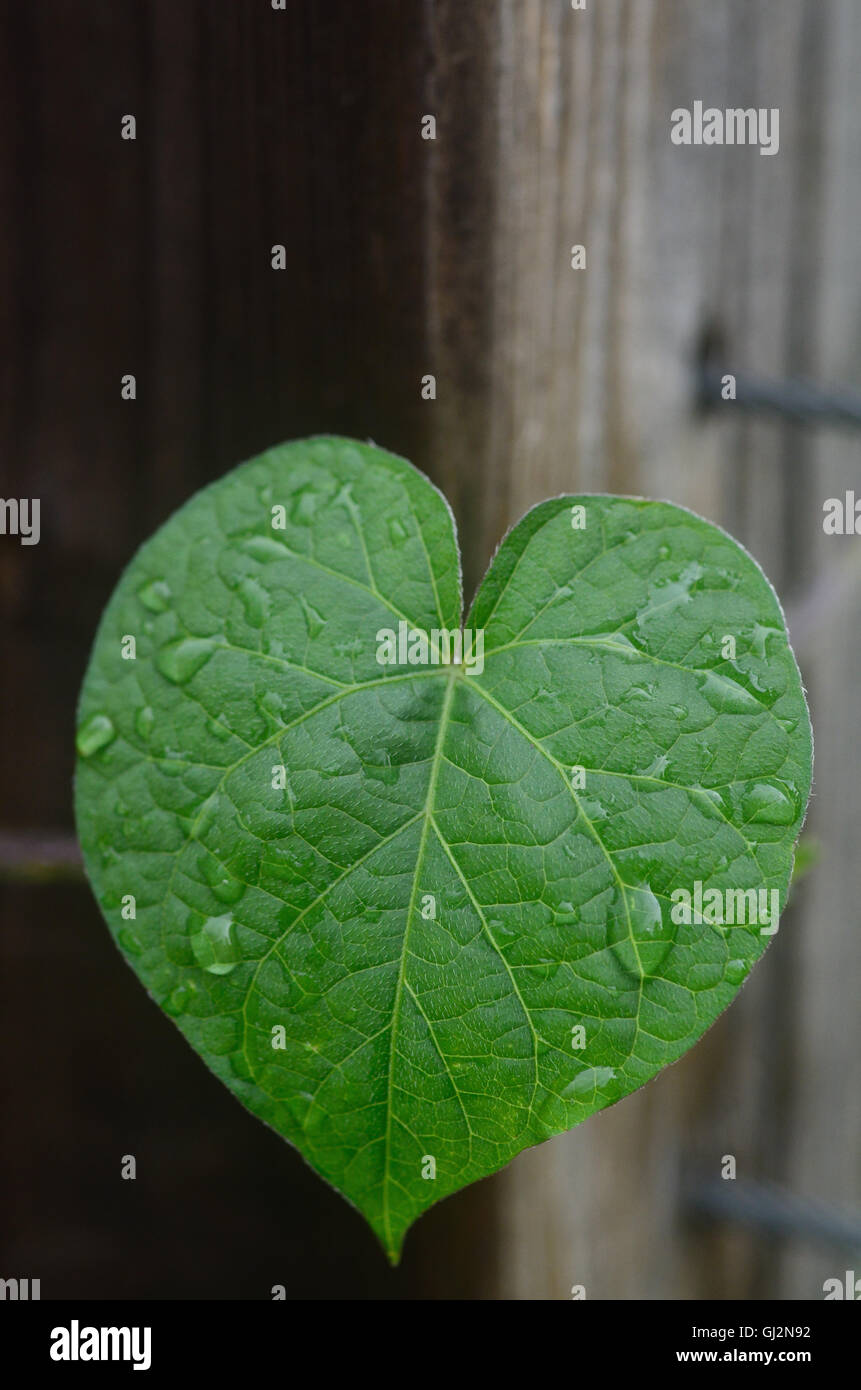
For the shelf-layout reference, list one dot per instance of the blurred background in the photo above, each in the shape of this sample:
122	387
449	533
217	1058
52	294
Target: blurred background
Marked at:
405	257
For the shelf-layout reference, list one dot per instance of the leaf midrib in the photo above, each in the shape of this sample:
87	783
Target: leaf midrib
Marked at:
399	988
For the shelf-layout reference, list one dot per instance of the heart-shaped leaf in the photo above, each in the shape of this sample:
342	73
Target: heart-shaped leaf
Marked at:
419	913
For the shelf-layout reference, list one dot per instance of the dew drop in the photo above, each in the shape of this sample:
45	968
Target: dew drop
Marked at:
769	803
155	596
304	504
666	595
95	733
174	763
129	942
638	692
498	927
222	884
144	721
344	497
587	1082
397	531
255	601
644	933
273	646
735	971
264	549
271	705
713	798
227	889
759	636
545	695
179	1000
381	769
756	683
705	975
657	767
653	933
314	621
214	946
725	694
206	816
617	640
179	661
593	809
707	753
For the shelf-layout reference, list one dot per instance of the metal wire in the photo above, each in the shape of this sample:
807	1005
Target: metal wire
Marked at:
773	1210
800	401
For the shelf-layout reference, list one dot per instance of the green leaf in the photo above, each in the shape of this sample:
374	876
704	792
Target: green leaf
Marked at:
419	917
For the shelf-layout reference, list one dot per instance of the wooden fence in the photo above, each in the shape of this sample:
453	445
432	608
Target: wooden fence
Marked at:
408	257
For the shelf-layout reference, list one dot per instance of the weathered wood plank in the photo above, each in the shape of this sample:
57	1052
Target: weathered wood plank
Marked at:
593	383
408	257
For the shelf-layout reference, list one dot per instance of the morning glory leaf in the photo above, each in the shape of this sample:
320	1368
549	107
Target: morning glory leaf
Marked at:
423	895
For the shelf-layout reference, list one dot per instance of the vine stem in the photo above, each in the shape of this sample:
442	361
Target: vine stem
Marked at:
39	856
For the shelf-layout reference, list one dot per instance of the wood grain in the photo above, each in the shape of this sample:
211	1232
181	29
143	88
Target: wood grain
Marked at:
407	257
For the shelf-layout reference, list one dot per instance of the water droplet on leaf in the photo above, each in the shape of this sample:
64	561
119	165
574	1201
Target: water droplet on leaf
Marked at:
179	661
593	809
769	803
735	971
144	721
759	636
657	767
264	549
95	733
179	1000
214	946
723	693
644	932
381	769
271	704
304	504
587	1082
155	596
666	595
254	600
314	621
